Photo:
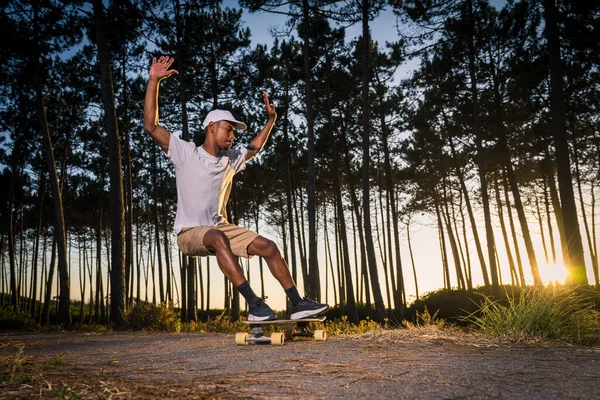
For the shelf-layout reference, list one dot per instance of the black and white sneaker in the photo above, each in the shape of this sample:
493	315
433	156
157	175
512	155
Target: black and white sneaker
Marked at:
307	308
260	311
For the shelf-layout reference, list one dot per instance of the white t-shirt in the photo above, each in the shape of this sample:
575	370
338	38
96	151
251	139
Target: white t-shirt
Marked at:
203	182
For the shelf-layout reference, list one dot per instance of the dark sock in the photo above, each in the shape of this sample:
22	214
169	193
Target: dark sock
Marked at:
246	291
293	295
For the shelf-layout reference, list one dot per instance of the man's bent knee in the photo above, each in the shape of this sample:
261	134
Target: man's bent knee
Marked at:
264	247
215	241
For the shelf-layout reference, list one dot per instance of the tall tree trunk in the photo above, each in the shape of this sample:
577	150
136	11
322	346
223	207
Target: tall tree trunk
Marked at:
311	288
445	267
167	248
48	295
289	190
412	258
548	217
301	236
64	311
511	261
590	241
391	195
359	229
541	224
460	282
161	284
512	228
351	310
34	265
3	288
99	291
382	248
118	284
380	313
185	135
481	157
128	188
576	266
14	294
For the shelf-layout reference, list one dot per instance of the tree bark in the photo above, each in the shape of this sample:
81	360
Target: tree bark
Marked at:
380	313
311	288
576	263
480	156
118	284
351	310
64	313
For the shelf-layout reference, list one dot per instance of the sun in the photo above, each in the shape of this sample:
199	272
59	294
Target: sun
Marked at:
555	273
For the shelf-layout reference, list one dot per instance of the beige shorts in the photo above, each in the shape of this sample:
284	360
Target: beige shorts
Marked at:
191	240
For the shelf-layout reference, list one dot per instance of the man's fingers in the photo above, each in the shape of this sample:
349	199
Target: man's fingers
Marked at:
266	98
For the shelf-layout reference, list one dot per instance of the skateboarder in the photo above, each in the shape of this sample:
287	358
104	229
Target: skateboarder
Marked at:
204	175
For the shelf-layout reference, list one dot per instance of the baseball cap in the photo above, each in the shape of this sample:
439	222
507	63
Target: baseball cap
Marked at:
222	115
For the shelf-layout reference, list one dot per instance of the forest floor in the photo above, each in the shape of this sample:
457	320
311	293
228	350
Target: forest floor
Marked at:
419	363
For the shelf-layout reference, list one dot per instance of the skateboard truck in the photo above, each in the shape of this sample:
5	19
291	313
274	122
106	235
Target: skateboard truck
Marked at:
257	335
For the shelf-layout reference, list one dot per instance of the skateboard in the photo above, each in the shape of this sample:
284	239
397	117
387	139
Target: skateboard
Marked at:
257	335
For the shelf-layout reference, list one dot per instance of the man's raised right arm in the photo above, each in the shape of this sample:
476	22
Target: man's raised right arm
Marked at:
158	71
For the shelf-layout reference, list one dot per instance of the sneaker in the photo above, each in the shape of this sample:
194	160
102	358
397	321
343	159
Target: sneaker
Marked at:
260	311
307	308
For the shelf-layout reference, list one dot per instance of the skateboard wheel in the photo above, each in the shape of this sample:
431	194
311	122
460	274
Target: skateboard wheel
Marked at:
240	339
320	335
277	338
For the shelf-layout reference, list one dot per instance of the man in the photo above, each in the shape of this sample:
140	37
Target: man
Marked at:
204	175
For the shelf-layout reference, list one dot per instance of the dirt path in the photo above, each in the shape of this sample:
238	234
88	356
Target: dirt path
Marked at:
389	364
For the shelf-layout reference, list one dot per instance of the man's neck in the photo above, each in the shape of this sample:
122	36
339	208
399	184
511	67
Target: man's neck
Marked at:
211	149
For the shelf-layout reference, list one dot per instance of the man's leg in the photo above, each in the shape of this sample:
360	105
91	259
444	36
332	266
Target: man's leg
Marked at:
267	249
218	243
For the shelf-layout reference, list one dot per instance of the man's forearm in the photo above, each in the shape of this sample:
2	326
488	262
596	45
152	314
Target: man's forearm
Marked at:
160	135
151	106
259	140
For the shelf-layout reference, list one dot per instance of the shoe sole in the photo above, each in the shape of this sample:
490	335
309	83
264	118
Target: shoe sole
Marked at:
308	313
267	318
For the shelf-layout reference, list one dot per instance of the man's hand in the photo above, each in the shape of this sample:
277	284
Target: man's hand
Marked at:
159	70
258	142
271	113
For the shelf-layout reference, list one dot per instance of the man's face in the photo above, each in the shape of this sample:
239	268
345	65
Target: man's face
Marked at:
224	133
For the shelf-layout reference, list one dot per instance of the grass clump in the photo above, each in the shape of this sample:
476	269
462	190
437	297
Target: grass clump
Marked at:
220	324
552	313
342	326
147	316
13	368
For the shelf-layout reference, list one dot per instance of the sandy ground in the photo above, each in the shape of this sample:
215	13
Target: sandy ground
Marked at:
414	364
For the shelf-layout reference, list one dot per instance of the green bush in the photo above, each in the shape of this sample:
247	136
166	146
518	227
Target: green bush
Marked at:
13	319
555	313
153	317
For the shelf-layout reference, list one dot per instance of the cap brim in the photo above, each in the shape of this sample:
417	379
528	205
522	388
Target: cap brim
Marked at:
238	125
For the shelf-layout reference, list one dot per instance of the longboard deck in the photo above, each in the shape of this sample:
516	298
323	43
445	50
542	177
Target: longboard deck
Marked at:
284	321
256	335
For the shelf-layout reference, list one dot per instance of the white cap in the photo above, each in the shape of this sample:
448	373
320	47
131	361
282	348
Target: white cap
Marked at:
222	115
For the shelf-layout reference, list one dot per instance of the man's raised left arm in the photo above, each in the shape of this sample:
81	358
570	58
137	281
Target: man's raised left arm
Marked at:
259	141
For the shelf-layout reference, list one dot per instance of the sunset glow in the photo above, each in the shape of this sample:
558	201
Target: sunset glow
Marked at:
555	273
